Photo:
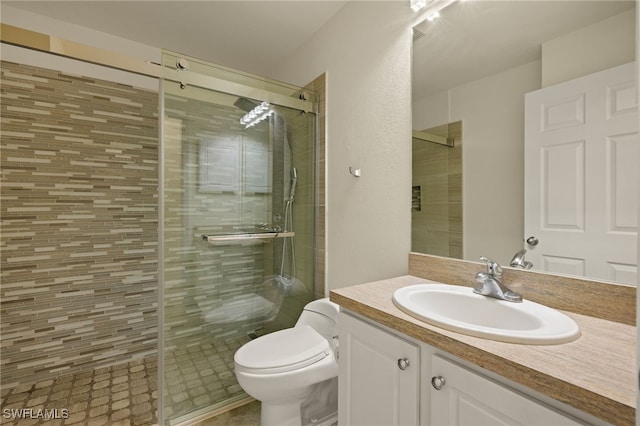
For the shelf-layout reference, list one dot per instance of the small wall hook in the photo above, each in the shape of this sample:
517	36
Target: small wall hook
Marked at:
355	172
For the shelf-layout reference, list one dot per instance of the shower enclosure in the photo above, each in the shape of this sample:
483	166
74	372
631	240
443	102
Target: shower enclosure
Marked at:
237	215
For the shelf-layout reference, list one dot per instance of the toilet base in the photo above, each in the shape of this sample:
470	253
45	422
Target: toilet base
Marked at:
321	405
289	415
286	414
331	420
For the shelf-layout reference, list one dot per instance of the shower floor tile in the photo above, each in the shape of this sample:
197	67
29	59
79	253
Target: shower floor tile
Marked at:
123	394
198	376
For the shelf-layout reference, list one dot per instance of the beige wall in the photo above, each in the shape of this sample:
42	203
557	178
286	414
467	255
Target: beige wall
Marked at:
492	115
596	47
368	127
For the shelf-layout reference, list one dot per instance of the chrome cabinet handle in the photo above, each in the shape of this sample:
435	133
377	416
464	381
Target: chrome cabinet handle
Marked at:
438	382
532	241
403	363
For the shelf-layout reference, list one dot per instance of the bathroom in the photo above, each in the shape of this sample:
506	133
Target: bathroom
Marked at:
368	223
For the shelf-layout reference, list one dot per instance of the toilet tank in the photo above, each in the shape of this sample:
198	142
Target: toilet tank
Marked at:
322	316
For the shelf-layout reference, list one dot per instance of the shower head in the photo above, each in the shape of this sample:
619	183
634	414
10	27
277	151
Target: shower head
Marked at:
245	104
294	181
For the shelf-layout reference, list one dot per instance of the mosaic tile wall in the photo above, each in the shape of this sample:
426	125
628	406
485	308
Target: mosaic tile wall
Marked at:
79	223
201	277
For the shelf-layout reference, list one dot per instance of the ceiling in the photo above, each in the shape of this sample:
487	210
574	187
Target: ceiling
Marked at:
253	36
474	39
471	40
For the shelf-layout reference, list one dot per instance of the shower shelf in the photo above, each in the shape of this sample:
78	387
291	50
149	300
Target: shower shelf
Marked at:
230	238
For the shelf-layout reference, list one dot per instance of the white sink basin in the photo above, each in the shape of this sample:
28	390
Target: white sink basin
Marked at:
459	309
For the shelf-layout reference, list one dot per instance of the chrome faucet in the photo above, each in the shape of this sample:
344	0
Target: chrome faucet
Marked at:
490	283
519	262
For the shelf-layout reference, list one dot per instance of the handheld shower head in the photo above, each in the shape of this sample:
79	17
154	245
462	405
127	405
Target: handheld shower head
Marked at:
294	181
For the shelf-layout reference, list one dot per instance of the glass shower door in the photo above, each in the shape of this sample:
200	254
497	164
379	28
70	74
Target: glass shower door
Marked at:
237	230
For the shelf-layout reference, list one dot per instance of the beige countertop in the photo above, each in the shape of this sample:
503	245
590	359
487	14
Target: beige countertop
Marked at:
595	373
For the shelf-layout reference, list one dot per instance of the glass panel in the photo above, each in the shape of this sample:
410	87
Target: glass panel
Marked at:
237	235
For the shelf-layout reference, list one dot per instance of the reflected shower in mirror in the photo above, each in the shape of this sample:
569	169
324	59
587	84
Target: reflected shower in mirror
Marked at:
436	213
475	65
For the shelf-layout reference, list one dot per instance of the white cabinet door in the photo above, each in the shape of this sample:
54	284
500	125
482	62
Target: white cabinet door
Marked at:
581	176
467	398
379	376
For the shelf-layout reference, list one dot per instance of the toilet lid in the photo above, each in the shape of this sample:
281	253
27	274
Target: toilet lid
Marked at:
283	350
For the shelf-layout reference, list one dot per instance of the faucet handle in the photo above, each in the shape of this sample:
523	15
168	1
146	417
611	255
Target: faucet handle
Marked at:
493	267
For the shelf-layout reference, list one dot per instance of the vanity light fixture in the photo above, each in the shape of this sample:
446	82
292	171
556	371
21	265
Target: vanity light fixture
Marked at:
257	114
416	5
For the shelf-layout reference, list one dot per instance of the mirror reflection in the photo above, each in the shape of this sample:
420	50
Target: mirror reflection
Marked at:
507	155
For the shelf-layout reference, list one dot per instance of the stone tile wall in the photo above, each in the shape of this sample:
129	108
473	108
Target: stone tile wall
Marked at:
78	241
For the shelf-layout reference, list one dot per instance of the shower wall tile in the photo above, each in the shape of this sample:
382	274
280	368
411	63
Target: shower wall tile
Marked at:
437	228
78	241
319	87
200	277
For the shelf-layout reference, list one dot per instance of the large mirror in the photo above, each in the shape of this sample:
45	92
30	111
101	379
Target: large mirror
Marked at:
472	70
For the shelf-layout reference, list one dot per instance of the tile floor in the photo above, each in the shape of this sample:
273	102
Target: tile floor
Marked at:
200	375
123	394
247	415
126	394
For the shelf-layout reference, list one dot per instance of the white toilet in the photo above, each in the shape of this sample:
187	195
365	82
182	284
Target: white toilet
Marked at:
294	368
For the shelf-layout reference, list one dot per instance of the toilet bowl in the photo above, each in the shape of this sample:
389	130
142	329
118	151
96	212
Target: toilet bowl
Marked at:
286	368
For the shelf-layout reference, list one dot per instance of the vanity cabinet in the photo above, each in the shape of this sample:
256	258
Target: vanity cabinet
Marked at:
386	378
459	396
378	378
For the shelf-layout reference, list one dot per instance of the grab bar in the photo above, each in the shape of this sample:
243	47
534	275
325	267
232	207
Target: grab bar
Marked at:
213	238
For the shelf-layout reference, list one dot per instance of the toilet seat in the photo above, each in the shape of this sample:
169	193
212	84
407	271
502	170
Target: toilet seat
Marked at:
282	351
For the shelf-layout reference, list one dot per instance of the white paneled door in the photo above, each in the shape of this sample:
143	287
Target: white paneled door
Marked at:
581	176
